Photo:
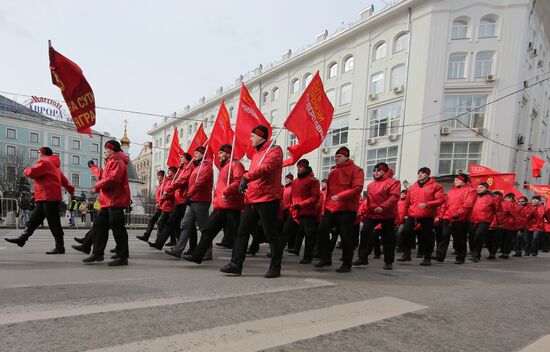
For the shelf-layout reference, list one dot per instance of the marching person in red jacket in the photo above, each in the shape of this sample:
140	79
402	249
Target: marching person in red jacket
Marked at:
114	196
305	198
228	203
167	203
494	235
535	228
345	183
48	180
381	209
423	199
158	212
400	220
177	189
261	186
199	198
485	209
525	211
511	224
455	218
286	202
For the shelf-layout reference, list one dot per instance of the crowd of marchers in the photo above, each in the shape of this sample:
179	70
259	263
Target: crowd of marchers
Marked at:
303	212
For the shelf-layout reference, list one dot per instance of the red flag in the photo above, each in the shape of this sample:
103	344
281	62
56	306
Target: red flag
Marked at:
309	120
497	182
541	190
248	117
199	139
175	150
222	133
75	89
536	165
480	170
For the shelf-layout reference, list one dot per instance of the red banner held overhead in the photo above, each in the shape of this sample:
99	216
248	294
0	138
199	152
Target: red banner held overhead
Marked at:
309	120
248	117
75	89
480	170
222	133
541	190
504	183
536	166
200	139
175	150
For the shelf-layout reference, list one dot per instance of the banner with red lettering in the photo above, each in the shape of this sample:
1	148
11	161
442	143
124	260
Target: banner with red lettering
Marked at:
480	170
75	89
200	139
541	190
222	133
175	150
504	183
309	120
536	166
248	117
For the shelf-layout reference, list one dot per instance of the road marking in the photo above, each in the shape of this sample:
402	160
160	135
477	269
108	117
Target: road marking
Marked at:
73	310
541	345
262	334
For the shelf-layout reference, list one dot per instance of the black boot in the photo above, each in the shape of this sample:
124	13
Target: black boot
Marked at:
93	258
20	241
79	240
406	257
192	258
232	269
361	261
426	262
60	250
343	269
272	273
323	263
118	262
81	248
144	237
155	246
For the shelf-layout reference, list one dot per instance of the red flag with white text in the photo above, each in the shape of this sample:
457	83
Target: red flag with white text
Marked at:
480	170
504	183
175	150
541	190
248	117
222	133
75	89
309	120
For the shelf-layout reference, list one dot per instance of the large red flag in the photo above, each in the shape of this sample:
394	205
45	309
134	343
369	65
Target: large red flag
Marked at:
75	90
497	182
248	117
536	166
480	170
175	150
222	133
199	139
541	190
309	120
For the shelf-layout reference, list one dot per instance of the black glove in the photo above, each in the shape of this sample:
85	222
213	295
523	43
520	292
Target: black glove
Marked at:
91	163
297	206
188	200
243	186
455	217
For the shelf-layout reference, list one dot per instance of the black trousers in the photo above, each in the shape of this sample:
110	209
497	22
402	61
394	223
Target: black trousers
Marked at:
88	239
226	219
46	210
152	222
305	227
267	214
425	239
258	238
172	225
368	239
112	218
162	221
480	231
494	240
343	221
507	244
459	231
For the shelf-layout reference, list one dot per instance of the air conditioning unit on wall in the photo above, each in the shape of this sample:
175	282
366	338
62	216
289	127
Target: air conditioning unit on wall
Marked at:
445	131
398	89
371	141
490	78
325	150
372	96
393	137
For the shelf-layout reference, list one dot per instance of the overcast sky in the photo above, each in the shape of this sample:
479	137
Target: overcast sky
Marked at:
156	56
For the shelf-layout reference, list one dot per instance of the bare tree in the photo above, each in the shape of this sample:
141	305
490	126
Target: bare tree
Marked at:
11	171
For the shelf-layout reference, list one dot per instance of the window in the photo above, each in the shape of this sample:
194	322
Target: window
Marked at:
401	43
33	137
168	137
397	76
295	86
56	141
380	51
292	139
385	119
307	79
458	155
33	153
181	132
345	94
76	144
96	161
265	98
75	180
332	70
386	155
231	110
190	127
93	180
272	116
377	83
10	133
464	110
484	64
455	68
331	95
326	166
10	150
275	94
75	160
348	64
459	29
95	148
338	132
487	27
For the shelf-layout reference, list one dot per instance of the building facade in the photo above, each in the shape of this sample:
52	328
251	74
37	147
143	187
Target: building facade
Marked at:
143	166
435	83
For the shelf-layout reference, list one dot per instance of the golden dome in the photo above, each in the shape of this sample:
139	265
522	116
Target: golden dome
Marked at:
125	140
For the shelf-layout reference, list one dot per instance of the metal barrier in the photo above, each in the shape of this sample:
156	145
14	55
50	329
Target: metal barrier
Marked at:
8	212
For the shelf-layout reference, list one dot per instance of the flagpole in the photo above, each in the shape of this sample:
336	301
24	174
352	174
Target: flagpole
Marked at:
231	158
202	161
270	145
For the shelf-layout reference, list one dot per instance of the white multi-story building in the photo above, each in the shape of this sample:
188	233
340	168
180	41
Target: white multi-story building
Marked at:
437	83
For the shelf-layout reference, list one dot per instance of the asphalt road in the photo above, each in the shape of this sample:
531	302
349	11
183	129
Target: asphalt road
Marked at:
159	303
